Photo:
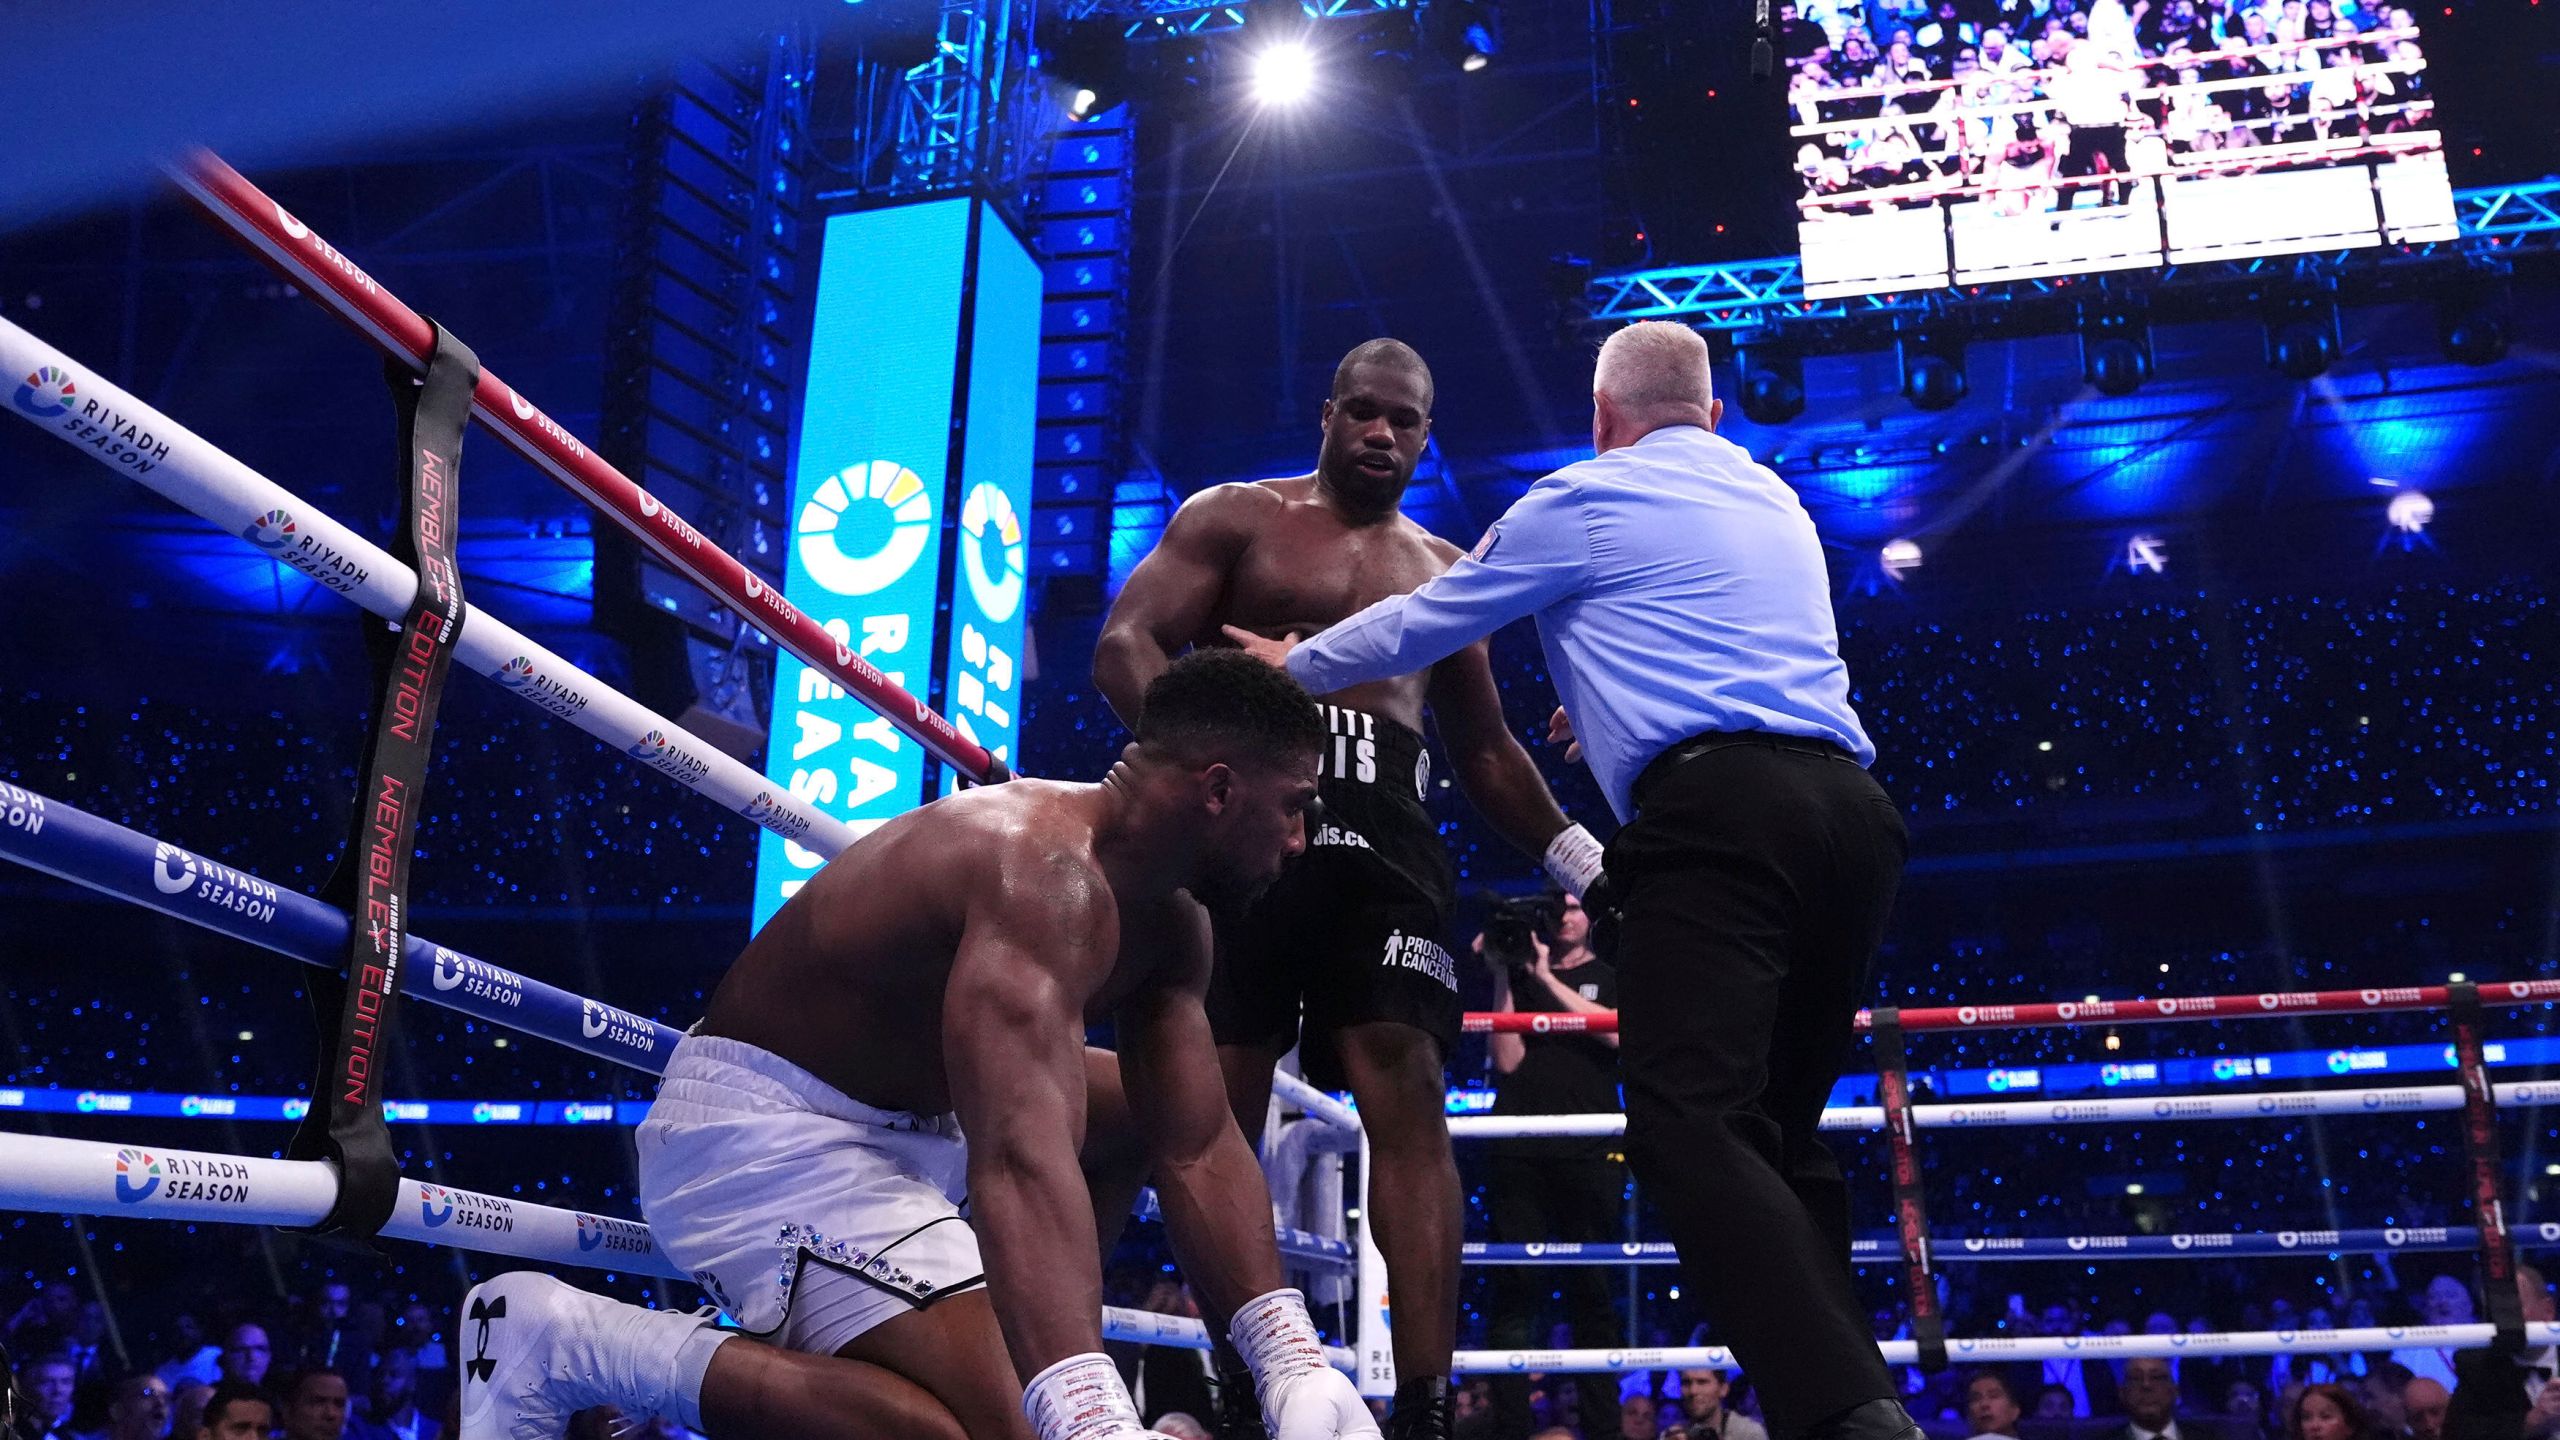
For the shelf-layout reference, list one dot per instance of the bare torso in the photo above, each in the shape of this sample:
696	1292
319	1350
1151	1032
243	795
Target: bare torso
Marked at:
1304	567
847	980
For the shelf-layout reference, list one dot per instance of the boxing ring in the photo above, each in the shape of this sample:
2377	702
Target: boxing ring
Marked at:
80	1177
122	432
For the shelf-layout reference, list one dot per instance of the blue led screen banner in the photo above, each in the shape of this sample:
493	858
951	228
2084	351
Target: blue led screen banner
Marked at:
982	692
870	476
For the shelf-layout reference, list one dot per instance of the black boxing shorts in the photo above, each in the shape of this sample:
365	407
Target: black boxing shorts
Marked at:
1351	932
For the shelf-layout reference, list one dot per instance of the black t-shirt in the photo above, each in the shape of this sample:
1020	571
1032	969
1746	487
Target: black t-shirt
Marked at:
1562	1074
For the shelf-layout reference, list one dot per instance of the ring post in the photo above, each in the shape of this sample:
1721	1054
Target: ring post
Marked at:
1910	1209
1372	1338
2480	1149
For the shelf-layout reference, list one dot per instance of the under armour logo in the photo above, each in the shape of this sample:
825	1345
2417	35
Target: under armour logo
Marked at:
480	1367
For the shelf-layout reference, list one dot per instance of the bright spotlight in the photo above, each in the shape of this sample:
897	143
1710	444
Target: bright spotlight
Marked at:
1283	74
2145	554
1082	106
2410	512
1899	557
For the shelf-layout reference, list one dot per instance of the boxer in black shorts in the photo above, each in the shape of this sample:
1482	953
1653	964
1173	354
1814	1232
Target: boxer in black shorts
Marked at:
1346	952
1351	932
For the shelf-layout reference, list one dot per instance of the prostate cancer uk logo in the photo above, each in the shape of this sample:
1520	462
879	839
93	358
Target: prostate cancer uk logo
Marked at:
137	1176
46	393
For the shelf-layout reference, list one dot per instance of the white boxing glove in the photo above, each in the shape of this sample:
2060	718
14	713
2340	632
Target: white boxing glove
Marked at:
1303	1396
1082	1398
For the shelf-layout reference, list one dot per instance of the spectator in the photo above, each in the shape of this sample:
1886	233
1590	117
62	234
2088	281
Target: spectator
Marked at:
391	1401
48	1382
237	1411
1637	1419
1703	1393
2424	1401
1543	1190
187	1405
2328	1412
322	1337
1989	1407
1161	1378
2244	1409
315	1405
46	1316
2149	1395
194	1359
2054	1402
140	1409
246	1354
2091	1385
1471	1410
417	1330
2383	1388
2502	1397
2445	1301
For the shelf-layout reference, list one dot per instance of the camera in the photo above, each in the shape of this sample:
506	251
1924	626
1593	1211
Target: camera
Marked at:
1509	924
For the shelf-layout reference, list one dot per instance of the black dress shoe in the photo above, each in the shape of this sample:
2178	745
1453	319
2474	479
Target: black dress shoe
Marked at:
1421	1410
1875	1420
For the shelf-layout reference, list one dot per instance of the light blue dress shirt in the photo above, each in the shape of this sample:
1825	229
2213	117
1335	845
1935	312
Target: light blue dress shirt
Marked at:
1679	588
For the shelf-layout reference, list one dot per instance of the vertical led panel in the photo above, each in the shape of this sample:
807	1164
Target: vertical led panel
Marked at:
982	692
870	482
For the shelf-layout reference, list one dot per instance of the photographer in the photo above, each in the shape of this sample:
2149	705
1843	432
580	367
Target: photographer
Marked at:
1552	1189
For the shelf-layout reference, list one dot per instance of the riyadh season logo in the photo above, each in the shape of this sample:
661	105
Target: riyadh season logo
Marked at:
515	673
173	871
988	523
879	498
137	1176
45	393
760	809
435	1205
650	746
272	531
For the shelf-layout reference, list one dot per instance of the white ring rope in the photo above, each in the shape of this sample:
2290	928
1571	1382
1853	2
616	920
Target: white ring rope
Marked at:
198	476
53	1176
2003	1348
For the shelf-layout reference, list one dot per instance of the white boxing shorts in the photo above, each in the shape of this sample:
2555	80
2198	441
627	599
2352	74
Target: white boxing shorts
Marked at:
809	1216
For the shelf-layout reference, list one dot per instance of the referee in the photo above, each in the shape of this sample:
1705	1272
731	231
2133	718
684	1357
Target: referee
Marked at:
1686	614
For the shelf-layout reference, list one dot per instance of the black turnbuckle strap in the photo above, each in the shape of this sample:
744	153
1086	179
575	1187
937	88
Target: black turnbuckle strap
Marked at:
1910	1210
371	881
2480	1148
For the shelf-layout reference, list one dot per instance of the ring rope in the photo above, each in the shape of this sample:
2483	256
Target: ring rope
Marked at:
321	271
2394	1240
198	476
50	1175
2252	1105
98	854
2263	1005
1990	1349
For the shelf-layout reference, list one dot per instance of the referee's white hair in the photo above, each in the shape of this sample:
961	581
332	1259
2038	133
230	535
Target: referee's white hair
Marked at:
1654	366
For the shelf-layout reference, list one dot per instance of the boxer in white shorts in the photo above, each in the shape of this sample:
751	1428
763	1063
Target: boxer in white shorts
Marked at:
805	1158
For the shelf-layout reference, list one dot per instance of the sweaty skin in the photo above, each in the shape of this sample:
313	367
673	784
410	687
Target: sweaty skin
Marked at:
952	960
1291	557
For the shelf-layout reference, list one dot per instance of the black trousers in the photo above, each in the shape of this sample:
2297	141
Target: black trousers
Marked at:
1538	1198
1755	882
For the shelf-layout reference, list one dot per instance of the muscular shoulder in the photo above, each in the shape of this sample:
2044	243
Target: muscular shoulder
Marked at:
1230	511
1025	848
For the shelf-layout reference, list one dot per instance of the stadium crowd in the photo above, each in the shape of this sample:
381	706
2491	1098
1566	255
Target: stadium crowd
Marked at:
1904	102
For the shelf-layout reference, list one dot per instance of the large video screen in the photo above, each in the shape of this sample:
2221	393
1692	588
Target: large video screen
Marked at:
1960	141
